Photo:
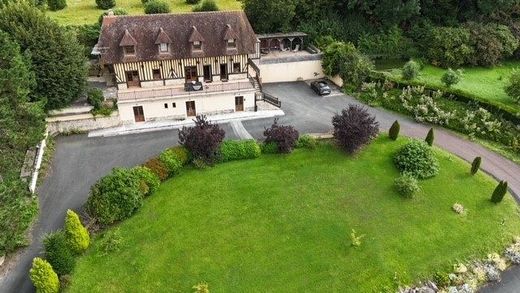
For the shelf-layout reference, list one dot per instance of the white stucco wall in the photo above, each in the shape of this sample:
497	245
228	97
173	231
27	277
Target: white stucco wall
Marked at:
204	104
291	71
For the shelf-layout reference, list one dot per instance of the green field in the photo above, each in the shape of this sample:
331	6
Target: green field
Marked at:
86	12
281	223
487	83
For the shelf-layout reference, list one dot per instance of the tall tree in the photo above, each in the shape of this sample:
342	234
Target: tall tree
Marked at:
21	122
382	12
56	57
270	16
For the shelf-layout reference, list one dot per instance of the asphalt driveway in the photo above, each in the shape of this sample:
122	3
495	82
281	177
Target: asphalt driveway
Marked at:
80	161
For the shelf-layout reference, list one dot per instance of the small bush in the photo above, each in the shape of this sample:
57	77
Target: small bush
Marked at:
206	5
202	140
77	234
269	148
105	4
393	133
429	137
170	160
58	253
95	98
512	88
231	150
115	11
441	279
115	197
406	185
417	159
149	180
475	165
111	242
499	192
158	168
354	127
43	276
410	70
181	153
55	5
451	77
307	141
285	136
156	7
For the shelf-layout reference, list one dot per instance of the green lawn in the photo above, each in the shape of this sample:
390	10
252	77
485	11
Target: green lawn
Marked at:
281	223
487	83
86	12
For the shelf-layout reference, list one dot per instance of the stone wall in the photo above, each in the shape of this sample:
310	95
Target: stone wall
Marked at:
81	123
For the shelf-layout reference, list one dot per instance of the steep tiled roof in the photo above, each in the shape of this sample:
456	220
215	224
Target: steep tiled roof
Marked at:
211	28
162	38
127	40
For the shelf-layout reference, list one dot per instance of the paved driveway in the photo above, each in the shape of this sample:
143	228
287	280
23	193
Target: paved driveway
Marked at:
80	161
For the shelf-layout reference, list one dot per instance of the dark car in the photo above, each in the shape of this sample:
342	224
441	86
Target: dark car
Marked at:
320	87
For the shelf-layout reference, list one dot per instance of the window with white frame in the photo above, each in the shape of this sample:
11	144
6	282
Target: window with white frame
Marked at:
197	45
231	43
163	48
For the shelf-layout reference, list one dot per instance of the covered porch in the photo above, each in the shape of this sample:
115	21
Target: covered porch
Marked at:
281	42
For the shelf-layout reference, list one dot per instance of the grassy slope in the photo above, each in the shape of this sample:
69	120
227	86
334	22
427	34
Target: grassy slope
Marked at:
283	223
485	82
86	12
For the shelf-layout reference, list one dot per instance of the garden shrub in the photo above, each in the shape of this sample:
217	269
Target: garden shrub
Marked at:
406	185
55	5
202	140
491	43
269	148
110	242
354	127
429	137
17	211
115	197
307	141
115	11
393	133
239	150
192	1
499	192
206	5
449	46
512	88
77	235
181	153
345	60
441	279
158	168
149	181
59	253
387	44
451	77
170	160
87	35
285	136
417	159
410	70
43	277
475	165
95	98
105	4
156	7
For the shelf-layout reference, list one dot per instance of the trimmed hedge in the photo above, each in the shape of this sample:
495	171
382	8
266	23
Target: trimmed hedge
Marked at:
157	167
507	112
306	141
417	159
149	180
231	150
58	253
269	148
170	160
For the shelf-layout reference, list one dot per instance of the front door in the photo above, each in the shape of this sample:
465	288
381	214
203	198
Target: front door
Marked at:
132	78
239	103
191	73
207	73
138	114
190	108
223	72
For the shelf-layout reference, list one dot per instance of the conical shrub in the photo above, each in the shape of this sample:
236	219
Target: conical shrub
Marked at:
475	166
499	192
429	137
77	234
393	133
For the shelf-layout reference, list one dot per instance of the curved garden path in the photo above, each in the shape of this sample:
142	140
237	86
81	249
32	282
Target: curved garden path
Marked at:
79	161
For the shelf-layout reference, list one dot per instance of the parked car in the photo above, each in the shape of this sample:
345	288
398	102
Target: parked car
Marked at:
321	87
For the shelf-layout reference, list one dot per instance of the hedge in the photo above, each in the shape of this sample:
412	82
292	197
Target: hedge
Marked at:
231	150
508	113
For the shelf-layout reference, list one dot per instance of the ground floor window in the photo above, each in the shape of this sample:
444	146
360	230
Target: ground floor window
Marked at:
156	74
236	67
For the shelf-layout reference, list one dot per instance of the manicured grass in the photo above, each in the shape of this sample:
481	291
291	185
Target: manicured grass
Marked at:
86	12
281	223
487	83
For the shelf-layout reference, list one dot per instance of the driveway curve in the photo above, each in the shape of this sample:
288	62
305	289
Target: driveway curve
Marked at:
80	161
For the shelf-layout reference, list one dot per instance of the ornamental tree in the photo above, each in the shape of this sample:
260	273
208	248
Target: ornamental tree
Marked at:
43	276
202	140
354	127
284	136
77	235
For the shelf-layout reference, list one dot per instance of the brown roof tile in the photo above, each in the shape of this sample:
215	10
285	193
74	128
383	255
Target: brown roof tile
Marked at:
127	40
162	38
212	27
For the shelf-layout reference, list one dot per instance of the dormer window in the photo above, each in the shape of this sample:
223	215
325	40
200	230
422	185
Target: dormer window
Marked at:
231	43
197	45
163	48
129	50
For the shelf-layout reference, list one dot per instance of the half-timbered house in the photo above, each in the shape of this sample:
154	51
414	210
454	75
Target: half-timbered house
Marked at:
173	66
